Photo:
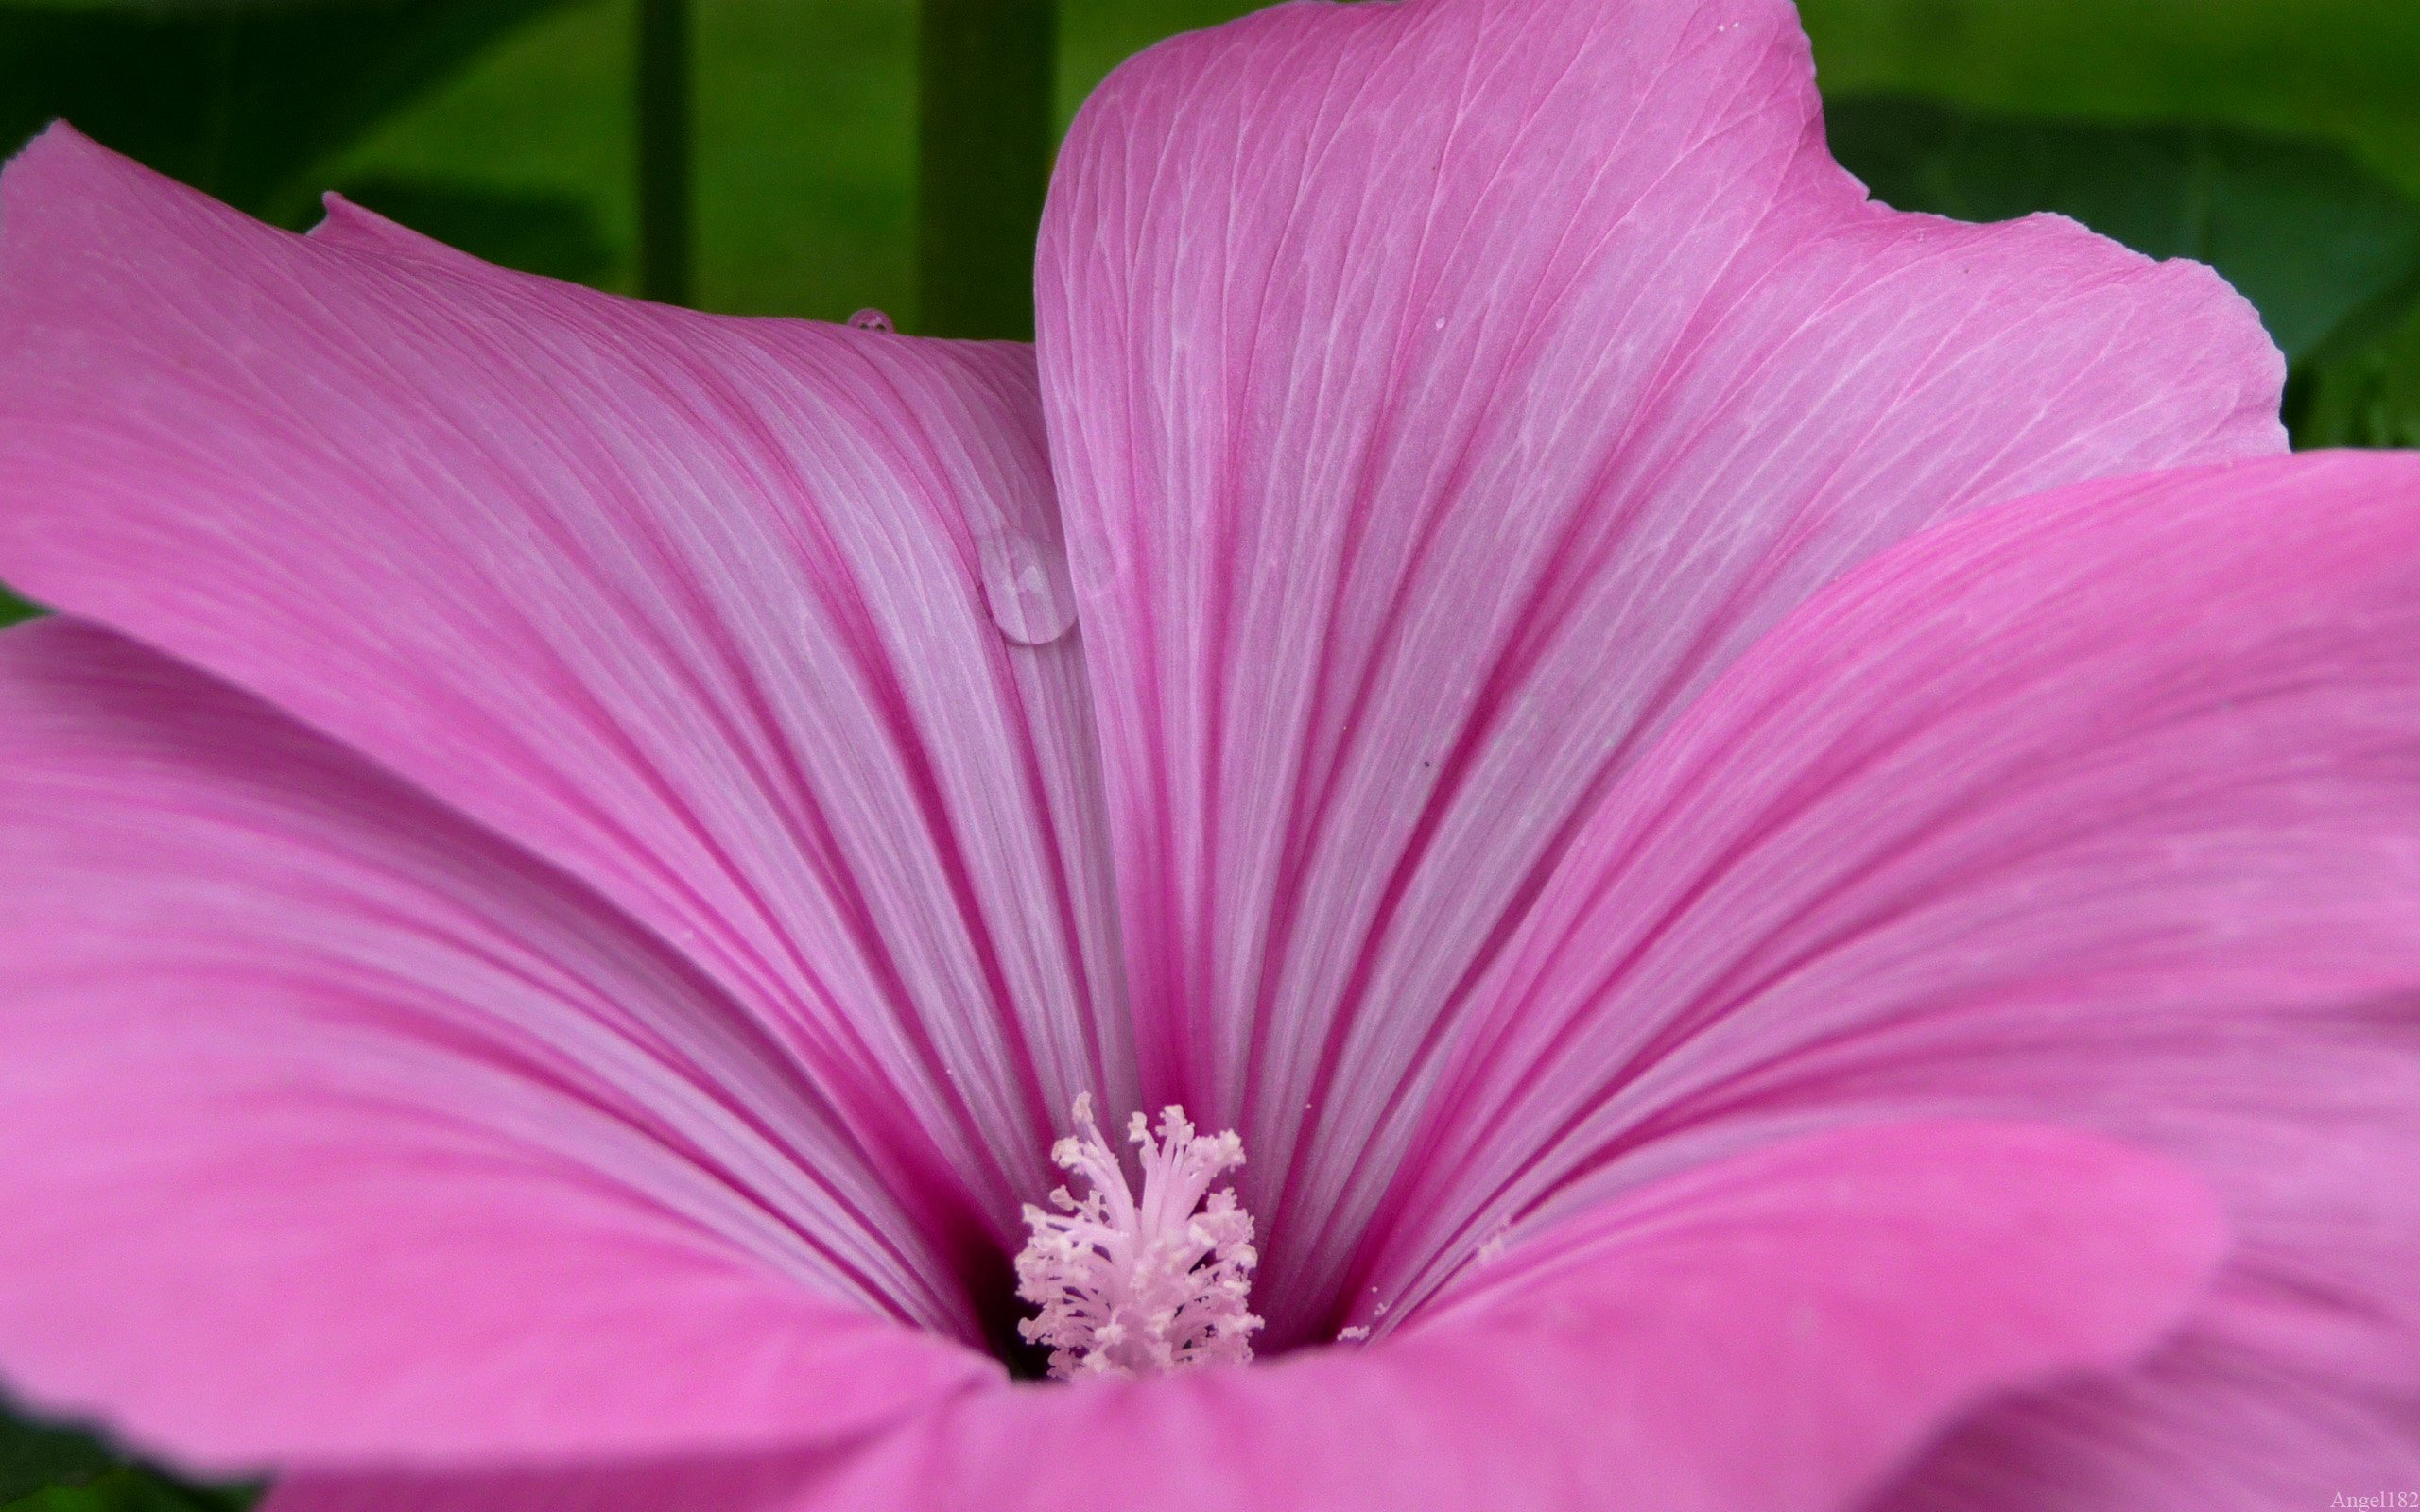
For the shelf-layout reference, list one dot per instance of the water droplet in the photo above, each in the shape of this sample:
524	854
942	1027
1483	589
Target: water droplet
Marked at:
1025	583
871	318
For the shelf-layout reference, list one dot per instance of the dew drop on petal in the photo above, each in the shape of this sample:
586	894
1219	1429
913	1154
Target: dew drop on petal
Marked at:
1125	1287
1493	1250
871	318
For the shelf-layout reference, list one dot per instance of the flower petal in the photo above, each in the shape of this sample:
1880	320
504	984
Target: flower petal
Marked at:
2197	1428
1777	1332
2103	808
751	1483
754	626
1444	392
339	1132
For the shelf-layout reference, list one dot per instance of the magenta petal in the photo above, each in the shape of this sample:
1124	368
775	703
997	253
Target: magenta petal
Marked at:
758	627
2200	1428
1775	1333
747	1484
1442	393
2103	808
338	1133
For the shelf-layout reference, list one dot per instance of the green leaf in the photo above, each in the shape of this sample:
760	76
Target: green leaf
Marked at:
242	98
131	1489
12	608
666	95
805	145
557	234
2368	397
2337	69
33	1456
1096	36
48	1469
984	131
2310	237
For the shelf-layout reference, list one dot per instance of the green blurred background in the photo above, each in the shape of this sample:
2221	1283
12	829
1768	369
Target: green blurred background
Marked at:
513	125
816	157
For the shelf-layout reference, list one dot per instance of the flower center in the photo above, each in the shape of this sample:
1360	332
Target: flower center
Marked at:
1135	1288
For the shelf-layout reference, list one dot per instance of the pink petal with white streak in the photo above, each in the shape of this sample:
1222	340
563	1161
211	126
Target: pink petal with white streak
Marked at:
339	1133
1780	1333
2102	809
1442	393
758	627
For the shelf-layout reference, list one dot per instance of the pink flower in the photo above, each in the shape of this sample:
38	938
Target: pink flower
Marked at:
1773	938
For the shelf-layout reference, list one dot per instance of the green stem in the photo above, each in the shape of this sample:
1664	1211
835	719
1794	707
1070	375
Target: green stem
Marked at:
984	118
665	195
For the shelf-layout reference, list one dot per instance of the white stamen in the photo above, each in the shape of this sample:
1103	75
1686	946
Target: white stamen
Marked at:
1127	1288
